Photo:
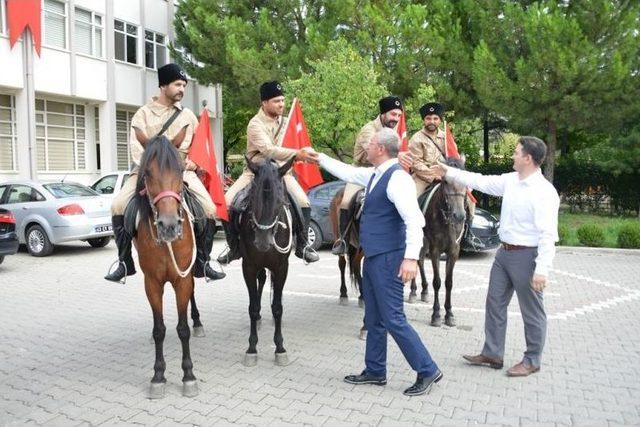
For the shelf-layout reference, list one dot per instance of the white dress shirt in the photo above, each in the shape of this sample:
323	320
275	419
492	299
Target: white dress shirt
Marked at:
529	214
401	191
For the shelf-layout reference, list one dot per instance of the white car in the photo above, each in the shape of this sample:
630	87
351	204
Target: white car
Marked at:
109	185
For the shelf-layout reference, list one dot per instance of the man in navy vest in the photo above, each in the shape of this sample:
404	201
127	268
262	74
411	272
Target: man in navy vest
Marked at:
391	237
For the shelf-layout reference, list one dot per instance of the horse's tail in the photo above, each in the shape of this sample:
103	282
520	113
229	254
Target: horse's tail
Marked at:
354	256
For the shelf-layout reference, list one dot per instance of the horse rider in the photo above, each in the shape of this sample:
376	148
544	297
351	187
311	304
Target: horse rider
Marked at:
391	110
427	148
265	133
164	115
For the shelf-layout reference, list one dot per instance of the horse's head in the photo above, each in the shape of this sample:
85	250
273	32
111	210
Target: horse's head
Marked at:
267	196
160	181
454	195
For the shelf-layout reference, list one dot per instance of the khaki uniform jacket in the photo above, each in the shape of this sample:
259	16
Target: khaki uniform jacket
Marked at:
150	118
264	140
364	136
426	154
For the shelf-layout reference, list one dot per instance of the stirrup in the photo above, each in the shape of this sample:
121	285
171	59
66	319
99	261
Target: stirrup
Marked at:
122	281
204	271
340	244
475	240
304	252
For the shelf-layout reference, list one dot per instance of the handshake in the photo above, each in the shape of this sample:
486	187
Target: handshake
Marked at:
308	155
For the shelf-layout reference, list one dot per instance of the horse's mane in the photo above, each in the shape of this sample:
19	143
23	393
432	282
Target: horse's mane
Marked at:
160	150
455	163
267	193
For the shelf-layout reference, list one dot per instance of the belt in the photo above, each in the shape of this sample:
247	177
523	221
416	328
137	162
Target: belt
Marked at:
509	247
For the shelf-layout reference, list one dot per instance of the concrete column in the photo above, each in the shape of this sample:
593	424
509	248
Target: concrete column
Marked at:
107	110
90	140
25	103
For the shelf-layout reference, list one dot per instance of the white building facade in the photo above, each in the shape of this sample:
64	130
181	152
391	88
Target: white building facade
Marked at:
67	113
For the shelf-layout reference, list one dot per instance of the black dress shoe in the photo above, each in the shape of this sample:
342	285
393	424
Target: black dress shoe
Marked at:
365	378
423	384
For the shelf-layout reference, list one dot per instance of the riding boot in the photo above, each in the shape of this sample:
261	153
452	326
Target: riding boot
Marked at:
303	250
204	244
233	242
126	266
340	246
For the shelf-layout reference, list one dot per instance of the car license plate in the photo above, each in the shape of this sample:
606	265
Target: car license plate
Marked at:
103	228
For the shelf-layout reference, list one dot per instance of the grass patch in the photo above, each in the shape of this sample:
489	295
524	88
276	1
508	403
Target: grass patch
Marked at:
610	224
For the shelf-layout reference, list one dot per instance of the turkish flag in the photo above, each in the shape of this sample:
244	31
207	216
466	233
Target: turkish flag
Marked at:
22	14
202	152
296	136
402	133
451	150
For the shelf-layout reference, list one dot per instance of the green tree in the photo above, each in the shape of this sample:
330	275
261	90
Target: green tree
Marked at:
560	65
338	95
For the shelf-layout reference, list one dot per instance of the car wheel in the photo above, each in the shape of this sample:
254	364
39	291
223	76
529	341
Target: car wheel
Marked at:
99	242
315	236
38	243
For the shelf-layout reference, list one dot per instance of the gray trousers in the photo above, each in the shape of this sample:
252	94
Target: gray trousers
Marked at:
513	271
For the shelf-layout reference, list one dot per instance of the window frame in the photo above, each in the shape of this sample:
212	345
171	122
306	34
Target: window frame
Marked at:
127	133
155	45
126	34
13	123
75	140
3	18
33	190
94	27
43	24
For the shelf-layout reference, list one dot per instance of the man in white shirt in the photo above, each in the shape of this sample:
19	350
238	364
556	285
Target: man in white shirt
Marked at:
391	237
528	231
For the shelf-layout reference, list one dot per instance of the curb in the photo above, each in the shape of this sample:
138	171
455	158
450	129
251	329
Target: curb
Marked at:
614	251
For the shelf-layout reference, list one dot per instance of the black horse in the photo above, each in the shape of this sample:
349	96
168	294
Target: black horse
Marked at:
266	240
444	216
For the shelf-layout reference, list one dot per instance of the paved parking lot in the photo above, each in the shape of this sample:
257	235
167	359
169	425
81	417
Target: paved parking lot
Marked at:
75	349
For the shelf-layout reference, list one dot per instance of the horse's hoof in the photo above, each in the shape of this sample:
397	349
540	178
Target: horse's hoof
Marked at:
436	321
156	390
412	298
361	302
450	321
424	297
190	388
363	335
343	301
282	359
250	359
198	331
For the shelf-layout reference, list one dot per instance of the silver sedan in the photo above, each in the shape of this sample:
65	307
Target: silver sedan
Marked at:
55	212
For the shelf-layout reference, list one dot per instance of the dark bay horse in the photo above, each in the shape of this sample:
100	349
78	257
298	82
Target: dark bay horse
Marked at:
444	217
266	240
165	242
354	252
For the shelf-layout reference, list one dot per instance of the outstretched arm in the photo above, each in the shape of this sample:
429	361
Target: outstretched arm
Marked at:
489	184
345	172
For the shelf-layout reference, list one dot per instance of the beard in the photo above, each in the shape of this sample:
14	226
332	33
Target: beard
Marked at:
431	128
390	124
175	97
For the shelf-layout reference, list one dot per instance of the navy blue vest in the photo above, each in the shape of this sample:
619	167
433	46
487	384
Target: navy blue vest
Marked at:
381	226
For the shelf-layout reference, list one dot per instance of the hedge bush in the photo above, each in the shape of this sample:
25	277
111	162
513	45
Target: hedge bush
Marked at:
591	235
629	236
563	233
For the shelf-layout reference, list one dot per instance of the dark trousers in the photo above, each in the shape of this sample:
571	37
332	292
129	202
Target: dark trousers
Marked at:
384	312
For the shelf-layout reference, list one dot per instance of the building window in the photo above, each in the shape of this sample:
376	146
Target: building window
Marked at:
88	33
3	19
96	122
60	136
155	49
126	41
55	23
7	133
123	130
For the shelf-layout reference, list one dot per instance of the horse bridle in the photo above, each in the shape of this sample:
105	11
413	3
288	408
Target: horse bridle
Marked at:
162	195
446	213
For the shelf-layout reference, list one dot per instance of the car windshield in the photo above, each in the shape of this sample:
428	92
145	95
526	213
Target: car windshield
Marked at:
61	190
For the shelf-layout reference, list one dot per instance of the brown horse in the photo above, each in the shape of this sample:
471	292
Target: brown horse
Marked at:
354	252
165	242
444	218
